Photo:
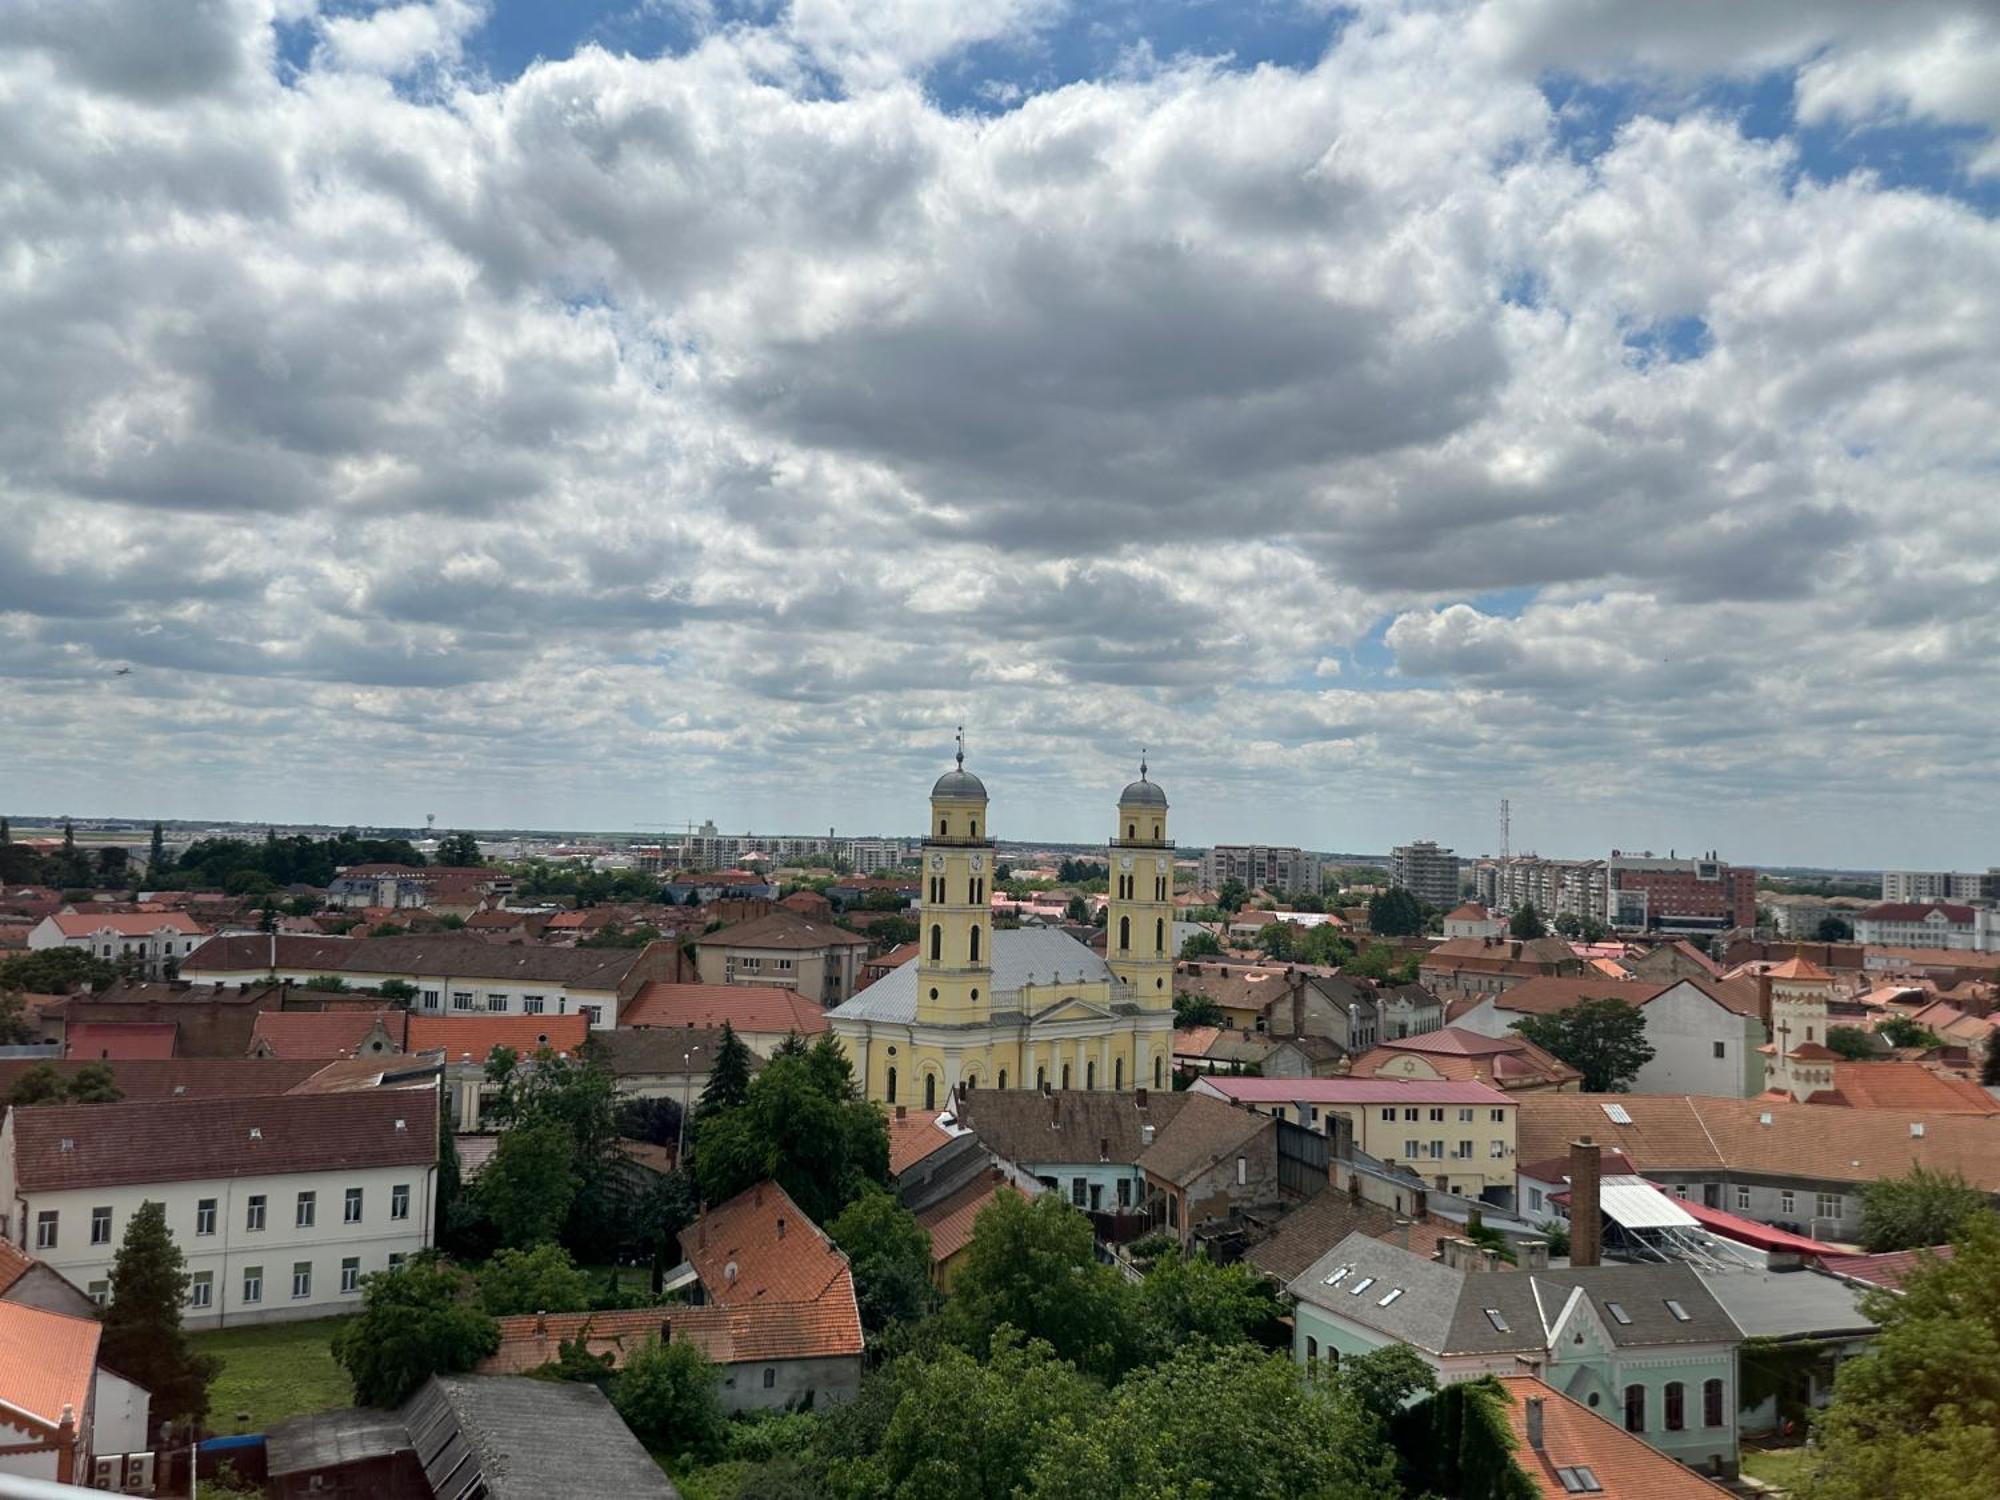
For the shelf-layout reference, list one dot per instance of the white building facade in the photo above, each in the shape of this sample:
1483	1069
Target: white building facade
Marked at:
1893	924
280	1205
157	941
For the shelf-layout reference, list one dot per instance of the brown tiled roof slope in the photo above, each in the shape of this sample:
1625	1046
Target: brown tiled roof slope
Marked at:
1574	1436
1206	1131
183	1140
325	1034
782	929
1066	1125
1323	1221
181	1077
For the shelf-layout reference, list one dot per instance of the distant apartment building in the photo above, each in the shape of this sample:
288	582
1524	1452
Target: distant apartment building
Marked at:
1924	886
1426	872
441	888
1554	887
870	856
1260	866
786	951
708	848
1680	895
1933	924
1800	916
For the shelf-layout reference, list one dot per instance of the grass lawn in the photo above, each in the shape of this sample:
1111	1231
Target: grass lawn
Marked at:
630	1278
273	1371
1780	1467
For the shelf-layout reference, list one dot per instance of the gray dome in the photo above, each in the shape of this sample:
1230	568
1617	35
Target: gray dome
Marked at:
961	784
1143	792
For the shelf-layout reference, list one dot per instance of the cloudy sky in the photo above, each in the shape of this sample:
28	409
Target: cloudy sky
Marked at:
591	414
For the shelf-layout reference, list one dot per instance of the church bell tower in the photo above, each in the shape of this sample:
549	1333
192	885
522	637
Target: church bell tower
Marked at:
955	952
1139	924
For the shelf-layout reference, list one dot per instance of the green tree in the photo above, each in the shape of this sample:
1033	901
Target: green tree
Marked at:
1526	923
459	851
1989	1070
670	1396
1384	1381
891	1256
1078	910
1323	945
1917	1417
1232	895
1201	945
1033	1266
1226	1424
1851	1042
94	1083
156	853
15	1027
1833	930
56	971
1275	940
41	1084
543	1279
1925	1208
1193	1298
967	1430
728	1073
1395	913
527	1188
803	1123
143	1339
421	1319
1902	1031
1197	1010
1605	1040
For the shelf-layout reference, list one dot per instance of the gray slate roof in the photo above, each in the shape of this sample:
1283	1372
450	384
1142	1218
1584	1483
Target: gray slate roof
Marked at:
1069	1126
1422	1316
1018	953
1641	1291
507	1437
1788	1304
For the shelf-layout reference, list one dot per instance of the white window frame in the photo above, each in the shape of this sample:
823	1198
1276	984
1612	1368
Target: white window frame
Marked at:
399	1201
351	1206
305	1211
302	1269
253	1285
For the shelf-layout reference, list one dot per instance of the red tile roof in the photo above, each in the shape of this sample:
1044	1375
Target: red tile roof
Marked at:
171	1078
1574	1436
47	1361
756	1334
476	1035
126	924
14	1264
92	1041
325	1034
1470	911
1455	1053
913	1135
1798	966
951	1219
1909	1085
759	1250
61	1146
782	929
1351	1091
751	1009
1916	911
1885	1270
1545	994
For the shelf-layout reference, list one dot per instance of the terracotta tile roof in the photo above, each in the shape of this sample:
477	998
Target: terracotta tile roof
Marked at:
477	1035
1194	1041
751	1009
756	1334
1699	1133
1323	1221
126	924
950	1220
180	1140
783	929
1574	1436
913	1135
1351	1091
1545	994
1206	1131
1798	966
388	1070
1885	1270
92	1041
259	952
1470	911
759	1252
1508	1062
14	1264
168	1078
1910	1085
1916	911
47	1361
1556	1168
325	1034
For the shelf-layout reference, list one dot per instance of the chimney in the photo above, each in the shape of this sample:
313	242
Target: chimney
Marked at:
666	1330
902	1111
1140	1098
1298	1005
1586	1215
781	1226
1764	1003
1403	1233
1531	1255
1533	1417
541	1324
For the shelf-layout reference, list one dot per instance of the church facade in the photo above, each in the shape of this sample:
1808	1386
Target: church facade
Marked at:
1021	1007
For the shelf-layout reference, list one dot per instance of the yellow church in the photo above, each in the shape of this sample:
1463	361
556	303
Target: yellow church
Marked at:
1020	1007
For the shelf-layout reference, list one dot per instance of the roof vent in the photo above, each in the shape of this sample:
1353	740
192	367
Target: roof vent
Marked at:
68	1143
256	1133
729	1272
402	1124
1764	1117
1916	1130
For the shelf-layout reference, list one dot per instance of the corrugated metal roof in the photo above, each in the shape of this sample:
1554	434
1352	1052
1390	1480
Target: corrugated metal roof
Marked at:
1636	1204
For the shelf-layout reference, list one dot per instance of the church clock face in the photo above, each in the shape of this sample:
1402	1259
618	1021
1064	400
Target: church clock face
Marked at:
937	861
1125	862
978	863
1160	865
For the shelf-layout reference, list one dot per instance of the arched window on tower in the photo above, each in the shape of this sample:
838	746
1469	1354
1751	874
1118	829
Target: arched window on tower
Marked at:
1131	830
1159	1066
975	944
975	828
1124	934
1003	1078
1159	934
937	942
1156	833
930	1091
1118	1074
944	827
892	1086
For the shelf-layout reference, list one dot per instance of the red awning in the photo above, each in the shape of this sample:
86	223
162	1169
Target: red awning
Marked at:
1750	1232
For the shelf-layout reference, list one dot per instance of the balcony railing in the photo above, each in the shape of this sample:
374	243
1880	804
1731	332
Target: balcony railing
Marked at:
1141	843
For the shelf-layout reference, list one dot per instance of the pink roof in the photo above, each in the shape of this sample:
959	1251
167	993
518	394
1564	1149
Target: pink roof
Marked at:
749	1008
1750	1232
91	1040
126	924
1350	1091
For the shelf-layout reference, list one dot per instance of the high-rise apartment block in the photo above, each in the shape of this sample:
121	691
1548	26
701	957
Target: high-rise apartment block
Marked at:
1426	872
1923	886
1680	895
1554	887
1265	866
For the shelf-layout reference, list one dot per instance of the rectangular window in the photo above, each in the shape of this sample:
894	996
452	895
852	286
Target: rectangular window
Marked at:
1409	1114
461	999
1436	1150
1828	1205
100	1226
1411	1149
496	1002
1079	1191
399	1201
1124	1192
1389	1115
100	1292
1242	1171
201	1289
1462	1150
253	1283
1497	1150
1437	1117
396	1259
1499	1117
253	1212
350	1212
350	1274
592	1014
204	1216
1743	1200
45	1229
431	999
307	1210
1787	1203
531	1005
1722	1049
1465	1117
302	1278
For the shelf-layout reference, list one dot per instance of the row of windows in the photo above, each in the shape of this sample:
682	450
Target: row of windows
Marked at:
890	1083
497	1002
305	1213
1674	1406
1411	1113
937	945
1461	1150
201	1285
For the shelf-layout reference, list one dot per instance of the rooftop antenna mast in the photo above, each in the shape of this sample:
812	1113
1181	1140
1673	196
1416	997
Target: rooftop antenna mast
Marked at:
1506	830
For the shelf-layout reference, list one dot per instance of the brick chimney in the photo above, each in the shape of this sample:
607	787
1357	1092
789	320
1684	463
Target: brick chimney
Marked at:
902	1111
1532	1419
1140	1097
1764	1004
1586	1213
1298	1004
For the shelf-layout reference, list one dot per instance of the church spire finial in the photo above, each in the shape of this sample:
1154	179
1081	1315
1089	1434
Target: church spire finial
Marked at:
1142	762
961	747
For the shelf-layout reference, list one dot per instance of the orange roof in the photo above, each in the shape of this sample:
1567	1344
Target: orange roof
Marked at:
47	1362
1471	911
751	1009
950	1220
1574	1436
913	1135
727	1335
1798	966
14	1264
324	1033
126	924
1910	1085
759	1245
91	1040
458	1036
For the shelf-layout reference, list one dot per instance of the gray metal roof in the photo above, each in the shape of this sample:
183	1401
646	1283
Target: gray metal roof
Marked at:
1422	1316
961	784
1143	793
329	1439
1641	1292
1019	953
507	1437
1788	1304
